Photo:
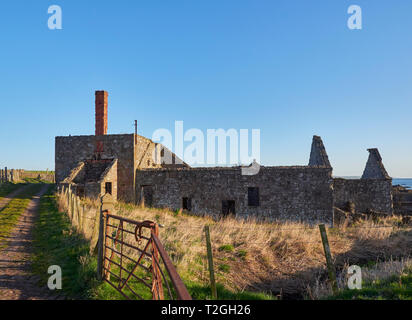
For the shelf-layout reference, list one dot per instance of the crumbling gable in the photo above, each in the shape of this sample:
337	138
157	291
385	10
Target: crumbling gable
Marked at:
318	155
374	167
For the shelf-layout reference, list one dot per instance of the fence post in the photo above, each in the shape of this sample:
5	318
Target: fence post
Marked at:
74	211
83	219
68	200
210	262
106	207
328	256
95	232
157	290
71	206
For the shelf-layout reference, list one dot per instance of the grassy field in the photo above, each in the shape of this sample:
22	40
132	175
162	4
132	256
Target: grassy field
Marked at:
10	214
252	260
394	287
285	259
7	188
57	242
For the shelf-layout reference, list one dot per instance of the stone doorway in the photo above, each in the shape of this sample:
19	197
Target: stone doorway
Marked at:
228	207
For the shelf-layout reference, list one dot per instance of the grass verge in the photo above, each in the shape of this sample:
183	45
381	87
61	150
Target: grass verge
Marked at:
397	287
9	187
57	243
10	214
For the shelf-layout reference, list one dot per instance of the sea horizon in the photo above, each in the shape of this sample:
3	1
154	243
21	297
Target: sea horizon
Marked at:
404	182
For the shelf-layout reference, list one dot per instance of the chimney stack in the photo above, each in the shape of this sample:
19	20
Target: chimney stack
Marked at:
101	112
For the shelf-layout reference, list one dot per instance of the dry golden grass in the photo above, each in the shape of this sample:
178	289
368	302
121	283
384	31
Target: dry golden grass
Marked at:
282	258
270	257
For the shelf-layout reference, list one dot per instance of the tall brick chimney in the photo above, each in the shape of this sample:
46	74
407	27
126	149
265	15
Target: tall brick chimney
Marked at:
101	112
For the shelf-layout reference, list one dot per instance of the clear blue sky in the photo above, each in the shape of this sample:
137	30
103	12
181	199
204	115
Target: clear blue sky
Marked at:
290	68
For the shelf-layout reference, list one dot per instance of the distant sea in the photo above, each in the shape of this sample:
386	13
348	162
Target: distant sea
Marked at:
405	182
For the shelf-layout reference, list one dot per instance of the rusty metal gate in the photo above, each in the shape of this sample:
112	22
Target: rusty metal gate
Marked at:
135	262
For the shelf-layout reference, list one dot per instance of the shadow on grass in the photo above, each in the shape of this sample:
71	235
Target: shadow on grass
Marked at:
57	243
203	292
362	253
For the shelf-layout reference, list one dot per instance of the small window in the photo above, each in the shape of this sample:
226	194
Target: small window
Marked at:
253	197
187	204
228	207
108	187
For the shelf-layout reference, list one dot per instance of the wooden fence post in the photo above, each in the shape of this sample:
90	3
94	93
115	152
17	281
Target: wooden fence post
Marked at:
210	262
100	243
81	218
69	194
157	290
95	232
328	256
106	207
71	206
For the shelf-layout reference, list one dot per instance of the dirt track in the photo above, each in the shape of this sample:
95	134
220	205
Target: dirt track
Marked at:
16	282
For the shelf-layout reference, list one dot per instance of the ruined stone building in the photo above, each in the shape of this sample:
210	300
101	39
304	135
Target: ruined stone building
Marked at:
124	166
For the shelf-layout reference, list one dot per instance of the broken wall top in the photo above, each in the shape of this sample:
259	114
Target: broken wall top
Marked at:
318	155
374	167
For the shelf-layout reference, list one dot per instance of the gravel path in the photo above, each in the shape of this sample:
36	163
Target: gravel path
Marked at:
16	281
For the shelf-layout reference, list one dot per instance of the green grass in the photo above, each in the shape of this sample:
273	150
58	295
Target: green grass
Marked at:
10	214
242	254
226	248
38	171
393	288
56	243
6	188
203	292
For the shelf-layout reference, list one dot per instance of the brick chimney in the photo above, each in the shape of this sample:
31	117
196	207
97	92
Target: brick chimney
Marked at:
101	112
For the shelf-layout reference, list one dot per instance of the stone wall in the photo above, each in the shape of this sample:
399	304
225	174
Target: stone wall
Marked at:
318	155
132	151
287	193
74	149
110	175
374	168
374	194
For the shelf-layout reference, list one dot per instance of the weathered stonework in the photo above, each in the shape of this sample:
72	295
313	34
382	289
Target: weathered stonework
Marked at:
373	194
74	149
136	169
288	193
131	151
374	167
318	155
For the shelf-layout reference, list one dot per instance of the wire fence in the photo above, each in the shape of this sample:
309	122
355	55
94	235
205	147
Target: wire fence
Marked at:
85	219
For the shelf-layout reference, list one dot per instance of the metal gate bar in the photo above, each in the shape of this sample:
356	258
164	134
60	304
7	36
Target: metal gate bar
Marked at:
148	249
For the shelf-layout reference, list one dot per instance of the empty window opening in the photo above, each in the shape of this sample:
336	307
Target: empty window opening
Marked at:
108	187
253	197
187	203
228	207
